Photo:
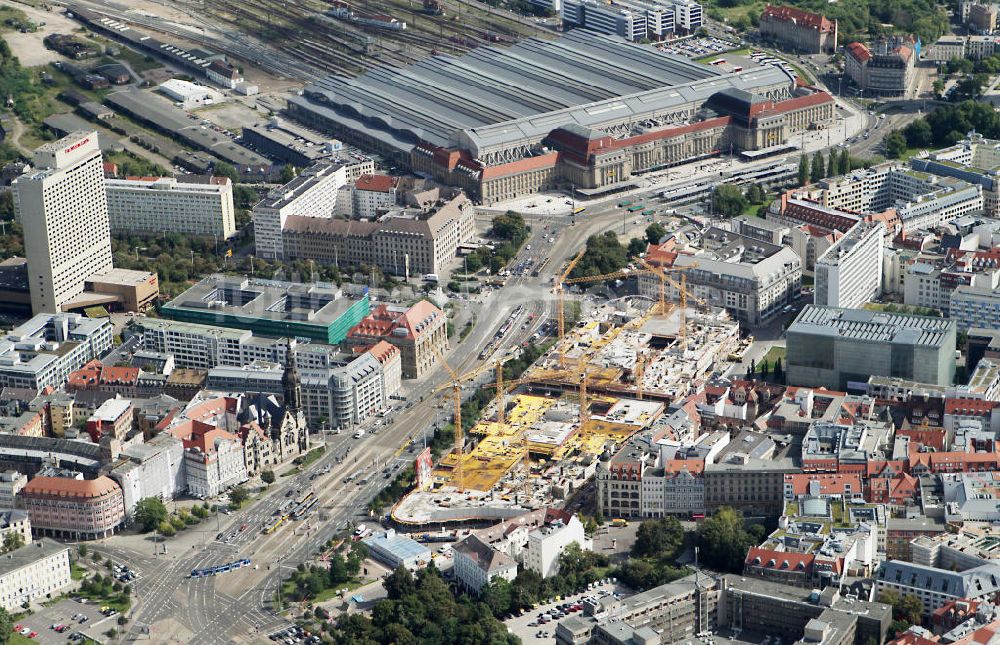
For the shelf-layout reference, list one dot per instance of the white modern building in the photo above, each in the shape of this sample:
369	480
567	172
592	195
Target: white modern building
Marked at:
43	351
313	193
188	94
206	346
937	587
477	563
849	273
63	207
35	571
547	543
632	19
157	205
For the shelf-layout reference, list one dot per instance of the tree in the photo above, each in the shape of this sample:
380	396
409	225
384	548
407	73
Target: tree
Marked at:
918	134
496	594
803	170
818	170
288	173
6	625
150	512
938	87
399	583
238	495
223	169
845	161
636	247
657	537
755	194
12	541
911	609
267	477
724	540
895	145
727	200
655	232
765	369
166	529
779	371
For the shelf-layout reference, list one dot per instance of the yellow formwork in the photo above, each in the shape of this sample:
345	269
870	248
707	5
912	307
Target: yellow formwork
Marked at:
501	447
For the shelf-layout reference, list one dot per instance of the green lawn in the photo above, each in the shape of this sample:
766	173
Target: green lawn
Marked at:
77	572
309	458
13	15
773	354
17	639
742	51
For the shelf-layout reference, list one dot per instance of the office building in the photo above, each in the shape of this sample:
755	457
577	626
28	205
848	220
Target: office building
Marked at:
213	458
37	571
914	198
75	509
396	550
478	135
797	30
883	70
344	395
751	279
291	143
320	311
203	347
947	48
189	205
120	290
931	282
45	350
975	307
849	273
313	193
966	547
834	348
409	243
975	160
420	333
63	208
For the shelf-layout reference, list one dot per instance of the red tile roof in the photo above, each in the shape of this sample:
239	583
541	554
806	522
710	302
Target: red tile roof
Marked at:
376	183
799	17
859	52
969	407
383	351
783	560
67	487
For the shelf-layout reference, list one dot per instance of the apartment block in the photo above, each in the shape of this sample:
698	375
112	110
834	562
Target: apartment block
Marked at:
63	207
884	69
313	193
849	273
547	543
190	205
373	195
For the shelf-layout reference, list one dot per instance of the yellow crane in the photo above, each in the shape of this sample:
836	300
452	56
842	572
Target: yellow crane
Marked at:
561	319
682	291
455	385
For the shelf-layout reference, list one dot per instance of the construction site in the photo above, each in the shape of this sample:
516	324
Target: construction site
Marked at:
538	441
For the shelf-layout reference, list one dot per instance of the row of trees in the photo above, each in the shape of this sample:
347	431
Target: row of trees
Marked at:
830	165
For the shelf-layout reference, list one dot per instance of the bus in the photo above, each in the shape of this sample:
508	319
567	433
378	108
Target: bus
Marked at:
619	522
624	204
649	212
577	211
635	208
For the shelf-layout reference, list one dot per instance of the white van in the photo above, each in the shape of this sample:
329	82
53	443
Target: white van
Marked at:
359	434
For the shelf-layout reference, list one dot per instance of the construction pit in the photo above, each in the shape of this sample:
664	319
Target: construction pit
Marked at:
538	453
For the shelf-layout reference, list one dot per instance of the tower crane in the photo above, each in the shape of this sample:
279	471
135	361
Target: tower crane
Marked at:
455	385
561	322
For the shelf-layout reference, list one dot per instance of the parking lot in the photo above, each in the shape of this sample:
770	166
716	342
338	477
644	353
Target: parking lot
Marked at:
701	46
526	626
61	613
292	635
